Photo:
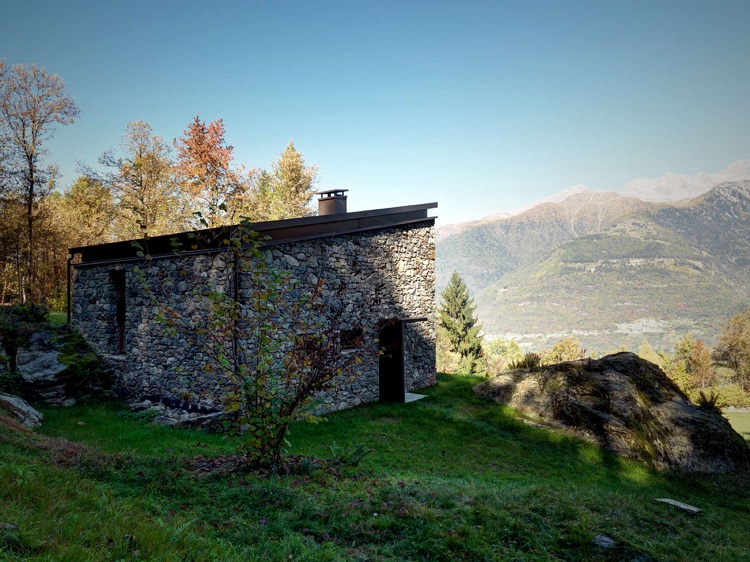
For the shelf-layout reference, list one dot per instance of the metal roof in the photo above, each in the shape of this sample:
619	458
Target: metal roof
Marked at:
280	231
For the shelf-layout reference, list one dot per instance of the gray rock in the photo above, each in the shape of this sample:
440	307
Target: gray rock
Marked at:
627	405
20	410
39	363
166	420
604	541
41	370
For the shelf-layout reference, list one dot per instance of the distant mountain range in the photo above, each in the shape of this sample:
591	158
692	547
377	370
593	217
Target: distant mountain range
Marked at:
662	258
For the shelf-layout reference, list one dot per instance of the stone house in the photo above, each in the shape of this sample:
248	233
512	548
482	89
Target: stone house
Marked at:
385	258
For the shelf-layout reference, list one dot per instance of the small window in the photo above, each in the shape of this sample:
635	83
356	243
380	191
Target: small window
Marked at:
117	278
351	340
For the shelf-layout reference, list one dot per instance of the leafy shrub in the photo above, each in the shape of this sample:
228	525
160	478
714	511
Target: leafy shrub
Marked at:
10	383
567	349
17	323
732	395
530	360
85	371
447	360
26	314
499	354
709	401
349	457
277	351
58	300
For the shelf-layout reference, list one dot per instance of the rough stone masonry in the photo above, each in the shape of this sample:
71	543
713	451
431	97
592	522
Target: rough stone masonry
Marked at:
385	260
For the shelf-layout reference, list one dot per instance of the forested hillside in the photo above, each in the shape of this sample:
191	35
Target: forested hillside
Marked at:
611	270
140	189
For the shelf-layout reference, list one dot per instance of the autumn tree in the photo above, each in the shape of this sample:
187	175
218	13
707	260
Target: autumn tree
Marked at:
690	366
32	104
566	349
646	351
204	168
12	243
142	183
701	367
86	211
286	191
456	316
734	347
499	354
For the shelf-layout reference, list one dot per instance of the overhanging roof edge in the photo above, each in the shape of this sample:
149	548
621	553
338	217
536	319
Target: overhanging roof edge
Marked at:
263	226
279	231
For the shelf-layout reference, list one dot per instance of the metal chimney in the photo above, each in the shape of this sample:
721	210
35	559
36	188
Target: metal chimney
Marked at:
332	202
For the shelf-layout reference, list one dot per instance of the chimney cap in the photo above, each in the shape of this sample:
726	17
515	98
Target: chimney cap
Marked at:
331	193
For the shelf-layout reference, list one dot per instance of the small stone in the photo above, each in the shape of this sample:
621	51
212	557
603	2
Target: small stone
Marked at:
165	420
692	510
604	541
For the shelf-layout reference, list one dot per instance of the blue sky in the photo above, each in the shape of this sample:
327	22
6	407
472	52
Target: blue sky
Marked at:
484	107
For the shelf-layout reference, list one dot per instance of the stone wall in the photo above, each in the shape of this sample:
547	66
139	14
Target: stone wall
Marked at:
387	273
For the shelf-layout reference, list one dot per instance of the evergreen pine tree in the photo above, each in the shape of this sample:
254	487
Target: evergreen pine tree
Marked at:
456	316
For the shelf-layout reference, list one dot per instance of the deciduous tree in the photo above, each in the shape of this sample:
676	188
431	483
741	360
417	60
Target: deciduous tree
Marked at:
12	243
32	104
499	354
85	210
274	342
286	191
691	367
734	347
566	349
646	351
204	168
701	367
142	182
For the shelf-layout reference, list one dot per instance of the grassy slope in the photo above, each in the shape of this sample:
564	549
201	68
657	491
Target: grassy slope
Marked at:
452	477
740	422
58	317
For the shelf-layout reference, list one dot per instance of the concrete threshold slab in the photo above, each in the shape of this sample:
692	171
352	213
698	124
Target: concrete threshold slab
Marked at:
411	397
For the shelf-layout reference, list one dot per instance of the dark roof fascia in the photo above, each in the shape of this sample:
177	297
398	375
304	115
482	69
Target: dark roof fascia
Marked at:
281	231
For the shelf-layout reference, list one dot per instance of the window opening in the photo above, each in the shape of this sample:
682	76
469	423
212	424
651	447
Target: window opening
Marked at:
351	340
118	286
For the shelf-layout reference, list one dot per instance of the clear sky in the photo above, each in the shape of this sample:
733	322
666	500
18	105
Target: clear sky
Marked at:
484	107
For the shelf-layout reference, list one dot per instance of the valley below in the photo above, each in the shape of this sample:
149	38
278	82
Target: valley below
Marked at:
610	270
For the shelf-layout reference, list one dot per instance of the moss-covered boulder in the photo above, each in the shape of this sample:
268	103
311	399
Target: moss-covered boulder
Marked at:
58	367
628	406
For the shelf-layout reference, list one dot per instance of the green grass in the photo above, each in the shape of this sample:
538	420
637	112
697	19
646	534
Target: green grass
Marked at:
452	477
740	422
57	317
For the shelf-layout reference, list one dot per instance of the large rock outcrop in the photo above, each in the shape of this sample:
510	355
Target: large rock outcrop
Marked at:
20	410
628	406
42	372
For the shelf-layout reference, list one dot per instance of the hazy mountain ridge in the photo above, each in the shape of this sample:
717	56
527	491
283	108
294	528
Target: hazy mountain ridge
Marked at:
609	268
669	187
674	187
